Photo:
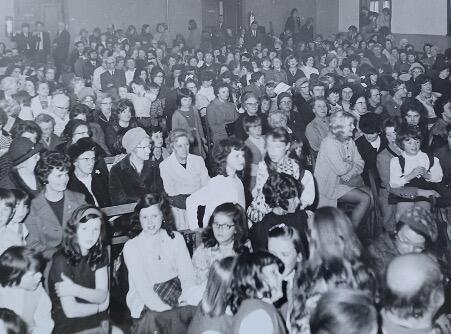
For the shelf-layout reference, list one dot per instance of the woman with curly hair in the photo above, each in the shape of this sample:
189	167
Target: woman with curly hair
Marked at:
73	131
338	168
334	262
225	235
256	285
414	116
78	279
282	194
123	120
158	280
227	159
53	206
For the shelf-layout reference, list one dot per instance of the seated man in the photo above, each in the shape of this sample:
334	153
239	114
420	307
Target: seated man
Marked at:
412	296
415	231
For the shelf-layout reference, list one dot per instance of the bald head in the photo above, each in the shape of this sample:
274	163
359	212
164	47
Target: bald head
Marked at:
407	274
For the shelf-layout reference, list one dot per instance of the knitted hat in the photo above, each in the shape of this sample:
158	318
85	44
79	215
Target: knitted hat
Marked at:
416	65
421	221
21	149
132	138
81	146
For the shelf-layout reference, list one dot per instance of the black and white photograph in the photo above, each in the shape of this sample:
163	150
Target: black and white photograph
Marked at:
225	166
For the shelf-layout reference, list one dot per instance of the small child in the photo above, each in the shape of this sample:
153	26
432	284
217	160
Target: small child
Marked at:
159	153
414	168
256	145
21	289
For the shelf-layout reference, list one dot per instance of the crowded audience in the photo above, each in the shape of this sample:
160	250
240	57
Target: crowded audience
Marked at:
225	182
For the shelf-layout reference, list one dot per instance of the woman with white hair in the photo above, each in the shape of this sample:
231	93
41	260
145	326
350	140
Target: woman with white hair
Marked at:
182	174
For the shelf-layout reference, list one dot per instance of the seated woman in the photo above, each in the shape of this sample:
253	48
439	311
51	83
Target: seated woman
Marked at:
182	174
256	285
338	168
277	161
134	176
225	235
122	120
78	279
344	311
334	262
157	281
318	129
413	115
84	178
53	206
187	117
414	168
220	112
24	155
159	151
213	314
21	289
282	193
285	242
228	160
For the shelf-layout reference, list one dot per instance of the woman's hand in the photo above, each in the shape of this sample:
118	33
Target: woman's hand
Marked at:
346	178
417	171
66	287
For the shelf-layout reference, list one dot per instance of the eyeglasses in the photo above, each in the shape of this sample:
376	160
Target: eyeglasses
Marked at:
144	147
81	133
252	104
226	227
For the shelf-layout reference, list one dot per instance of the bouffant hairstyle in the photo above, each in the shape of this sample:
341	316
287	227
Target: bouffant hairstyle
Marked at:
221	151
220	85
413	105
250	121
79	109
147	201
16	261
27	126
70	245
123	104
184	93
71	127
389	123
238	217
406	133
279	188
248	279
355	97
50	161
337	123
289	233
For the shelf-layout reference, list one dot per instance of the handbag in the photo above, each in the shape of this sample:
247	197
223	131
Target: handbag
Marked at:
169	291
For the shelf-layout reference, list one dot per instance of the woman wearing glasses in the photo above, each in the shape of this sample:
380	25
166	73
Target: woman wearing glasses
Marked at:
134	176
225	235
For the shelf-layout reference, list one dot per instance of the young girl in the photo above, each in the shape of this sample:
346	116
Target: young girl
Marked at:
21	289
78	278
16	228
285	242
225	235
228	160
413	168
213	313
277	161
256	285
159	153
158	280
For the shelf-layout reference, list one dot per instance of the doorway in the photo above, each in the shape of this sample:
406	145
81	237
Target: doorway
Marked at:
229	9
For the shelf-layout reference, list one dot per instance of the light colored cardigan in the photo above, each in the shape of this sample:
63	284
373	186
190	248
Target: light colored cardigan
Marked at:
331	166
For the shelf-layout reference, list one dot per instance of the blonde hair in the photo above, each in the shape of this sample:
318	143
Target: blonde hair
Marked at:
337	123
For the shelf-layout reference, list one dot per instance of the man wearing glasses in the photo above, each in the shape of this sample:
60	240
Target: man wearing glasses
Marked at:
59	110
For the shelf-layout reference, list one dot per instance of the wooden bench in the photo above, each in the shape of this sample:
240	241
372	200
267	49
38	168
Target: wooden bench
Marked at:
192	238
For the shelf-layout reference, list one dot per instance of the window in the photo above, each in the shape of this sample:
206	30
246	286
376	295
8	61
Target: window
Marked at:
374	6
